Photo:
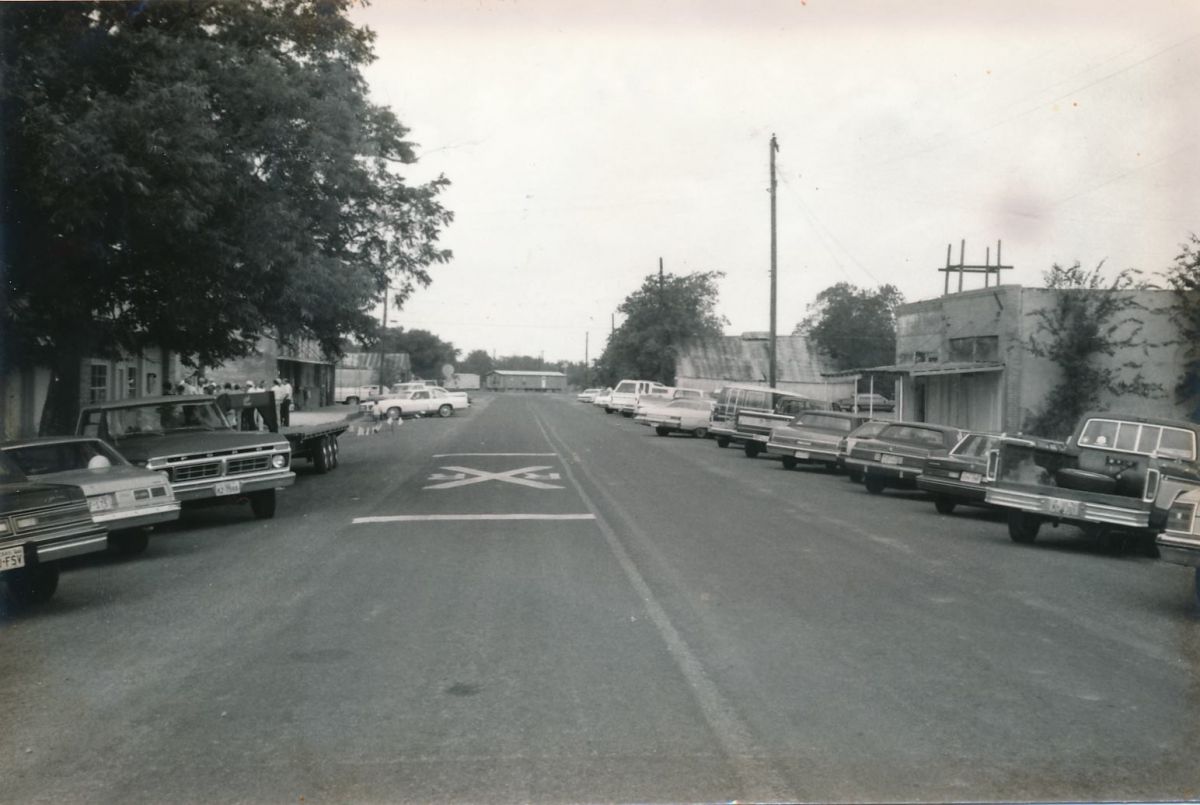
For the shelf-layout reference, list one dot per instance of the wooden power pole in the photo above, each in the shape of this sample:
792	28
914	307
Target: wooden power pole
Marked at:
771	343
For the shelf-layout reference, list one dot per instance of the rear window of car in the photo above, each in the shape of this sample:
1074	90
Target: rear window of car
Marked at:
824	422
975	445
628	387
1138	437
925	437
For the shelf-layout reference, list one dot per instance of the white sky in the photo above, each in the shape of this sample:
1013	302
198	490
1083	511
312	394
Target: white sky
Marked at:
586	140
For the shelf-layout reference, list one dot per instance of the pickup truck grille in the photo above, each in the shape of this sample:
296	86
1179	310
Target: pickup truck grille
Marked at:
240	465
195	472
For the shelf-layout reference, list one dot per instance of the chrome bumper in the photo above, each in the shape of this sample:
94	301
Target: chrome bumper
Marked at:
1069	509
1179	551
137	518
200	490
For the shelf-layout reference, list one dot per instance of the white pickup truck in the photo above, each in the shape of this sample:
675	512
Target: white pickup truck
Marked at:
421	402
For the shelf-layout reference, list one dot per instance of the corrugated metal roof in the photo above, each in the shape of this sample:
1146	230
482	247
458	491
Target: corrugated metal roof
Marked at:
738	359
370	360
516	373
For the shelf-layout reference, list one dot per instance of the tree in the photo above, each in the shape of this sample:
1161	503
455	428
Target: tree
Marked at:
1090	317
477	362
855	326
426	351
665	312
1184	279
192	175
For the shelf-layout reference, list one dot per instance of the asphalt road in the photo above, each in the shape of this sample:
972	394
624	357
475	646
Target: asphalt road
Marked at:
679	623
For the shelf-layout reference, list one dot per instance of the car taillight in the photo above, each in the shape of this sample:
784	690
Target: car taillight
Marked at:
1181	518
993	464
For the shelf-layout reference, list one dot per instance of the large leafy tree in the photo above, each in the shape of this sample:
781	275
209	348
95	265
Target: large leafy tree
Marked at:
477	362
191	175
665	312
855	326
427	352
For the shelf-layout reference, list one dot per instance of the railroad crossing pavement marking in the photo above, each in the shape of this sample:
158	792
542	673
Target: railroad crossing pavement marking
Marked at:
436	518
522	476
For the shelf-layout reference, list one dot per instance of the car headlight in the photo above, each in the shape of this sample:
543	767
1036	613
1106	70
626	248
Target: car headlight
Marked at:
101	503
278	461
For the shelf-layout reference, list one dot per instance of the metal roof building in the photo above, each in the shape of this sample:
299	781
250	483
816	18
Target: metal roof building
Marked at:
710	363
517	380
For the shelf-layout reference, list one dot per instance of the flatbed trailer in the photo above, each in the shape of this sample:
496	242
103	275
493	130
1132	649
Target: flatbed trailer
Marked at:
316	443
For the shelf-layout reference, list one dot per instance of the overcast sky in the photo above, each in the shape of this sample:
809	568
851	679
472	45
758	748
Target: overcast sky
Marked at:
585	140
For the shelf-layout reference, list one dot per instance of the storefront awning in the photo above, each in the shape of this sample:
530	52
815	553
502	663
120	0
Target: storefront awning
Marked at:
961	368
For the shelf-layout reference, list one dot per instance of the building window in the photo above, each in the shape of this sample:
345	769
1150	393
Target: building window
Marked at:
131	382
979	348
98	383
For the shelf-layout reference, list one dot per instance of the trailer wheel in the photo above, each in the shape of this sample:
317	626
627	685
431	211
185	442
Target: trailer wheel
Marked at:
320	456
128	543
1023	527
445	410
333	452
875	484
32	584
944	505
263	504
789	462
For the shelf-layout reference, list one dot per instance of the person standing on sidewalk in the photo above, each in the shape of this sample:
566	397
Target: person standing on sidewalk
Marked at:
285	405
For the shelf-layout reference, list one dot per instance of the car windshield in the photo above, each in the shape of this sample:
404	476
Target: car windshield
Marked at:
868	430
163	418
42	458
912	434
1138	437
974	445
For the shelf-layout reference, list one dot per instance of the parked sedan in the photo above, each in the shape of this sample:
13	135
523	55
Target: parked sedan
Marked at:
898	454
604	400
960	476
867	430
865	402
124	498
587	395
678	416
812	436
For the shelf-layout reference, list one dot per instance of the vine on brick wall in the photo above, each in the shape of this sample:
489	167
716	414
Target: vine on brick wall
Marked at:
1090	319
1184	279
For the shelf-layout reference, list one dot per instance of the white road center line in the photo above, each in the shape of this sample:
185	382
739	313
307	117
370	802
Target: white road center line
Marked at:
428	518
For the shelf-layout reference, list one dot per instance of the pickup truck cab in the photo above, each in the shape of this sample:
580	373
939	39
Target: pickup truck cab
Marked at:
1116	472
205	457
40	524
626	394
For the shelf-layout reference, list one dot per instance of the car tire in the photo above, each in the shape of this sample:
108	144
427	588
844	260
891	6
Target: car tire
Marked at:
320	456
128	543
394	412
263	504
722	441
627	414
752	449
944	505
789	462
1023	527
661	431
700	433
875	485
445	410
29	585
351	401
856	476
608	410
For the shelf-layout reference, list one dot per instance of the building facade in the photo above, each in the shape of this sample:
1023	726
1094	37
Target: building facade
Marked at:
513	380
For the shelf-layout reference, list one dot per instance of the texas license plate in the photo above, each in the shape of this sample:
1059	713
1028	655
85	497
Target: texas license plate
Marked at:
12	558
1066	508
802	455
891	460
228	488
972	478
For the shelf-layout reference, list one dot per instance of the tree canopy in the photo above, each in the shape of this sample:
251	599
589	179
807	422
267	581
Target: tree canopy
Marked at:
192	175
855	326
665	312
427	352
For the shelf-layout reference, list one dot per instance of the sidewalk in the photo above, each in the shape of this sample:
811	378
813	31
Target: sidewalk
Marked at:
320	416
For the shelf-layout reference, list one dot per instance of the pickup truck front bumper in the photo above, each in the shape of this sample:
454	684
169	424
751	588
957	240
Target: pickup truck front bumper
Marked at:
1070	509
222	487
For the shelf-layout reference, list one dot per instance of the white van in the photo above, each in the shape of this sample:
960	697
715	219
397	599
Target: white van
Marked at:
625	395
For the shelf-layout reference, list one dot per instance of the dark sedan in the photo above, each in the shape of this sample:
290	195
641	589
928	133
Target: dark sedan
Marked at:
960	476
898	454
812	436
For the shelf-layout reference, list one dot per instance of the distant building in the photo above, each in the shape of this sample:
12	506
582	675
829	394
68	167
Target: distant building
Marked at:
515	380
964	360
710	363
301	362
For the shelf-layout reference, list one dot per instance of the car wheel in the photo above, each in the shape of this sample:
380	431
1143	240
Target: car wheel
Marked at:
32	584
856	476
944	505
608	410
263	504
1198	586
722	441
700	433
1023	527
627	414
128	543
751	449
875	484
789	462
351	401
661	431
445	410
320	456
394	412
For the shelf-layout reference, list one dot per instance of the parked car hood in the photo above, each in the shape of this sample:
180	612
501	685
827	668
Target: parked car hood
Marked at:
198	443
109	479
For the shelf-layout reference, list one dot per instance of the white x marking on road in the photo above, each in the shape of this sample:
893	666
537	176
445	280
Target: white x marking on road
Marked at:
460	477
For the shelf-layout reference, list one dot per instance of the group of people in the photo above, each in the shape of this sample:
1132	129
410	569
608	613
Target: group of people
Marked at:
280	386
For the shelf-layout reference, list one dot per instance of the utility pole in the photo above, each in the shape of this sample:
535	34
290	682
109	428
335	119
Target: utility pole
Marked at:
383	337
771	348
662	308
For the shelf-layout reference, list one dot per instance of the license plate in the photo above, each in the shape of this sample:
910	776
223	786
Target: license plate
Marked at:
802	455
228	488
972	478
891	460
1067	508
12	558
